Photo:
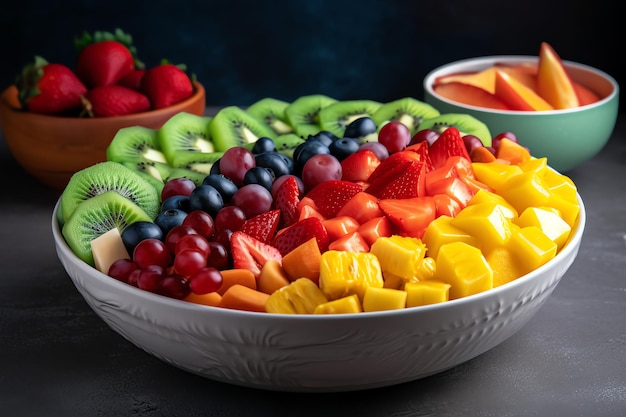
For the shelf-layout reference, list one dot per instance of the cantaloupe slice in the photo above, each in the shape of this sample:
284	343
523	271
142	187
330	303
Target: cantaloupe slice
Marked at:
484	79
470	94
553	81
517	95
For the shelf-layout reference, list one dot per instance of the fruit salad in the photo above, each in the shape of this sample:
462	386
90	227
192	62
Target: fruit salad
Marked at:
318	206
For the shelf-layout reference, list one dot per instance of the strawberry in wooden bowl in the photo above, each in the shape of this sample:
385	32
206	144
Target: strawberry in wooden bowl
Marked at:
57	119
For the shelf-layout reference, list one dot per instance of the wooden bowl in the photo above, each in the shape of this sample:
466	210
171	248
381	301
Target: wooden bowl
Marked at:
52	148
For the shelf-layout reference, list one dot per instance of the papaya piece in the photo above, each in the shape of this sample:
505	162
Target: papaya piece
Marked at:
212	299
471	95
240	297
239	276
303	261
272	277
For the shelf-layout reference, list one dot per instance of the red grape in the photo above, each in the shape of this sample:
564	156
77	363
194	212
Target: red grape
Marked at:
235	162
205	280
253	199
378	148
428	135
174	286
176	233
395	136
152	252
218	257
121	269
319	168
193	241
201	222
149	279
472	142
497	138
188	261
230	217
177	186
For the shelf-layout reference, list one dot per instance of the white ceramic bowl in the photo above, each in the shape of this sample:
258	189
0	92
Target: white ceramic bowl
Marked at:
566	137
316	353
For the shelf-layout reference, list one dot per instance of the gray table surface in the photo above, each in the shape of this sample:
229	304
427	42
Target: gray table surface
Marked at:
57	358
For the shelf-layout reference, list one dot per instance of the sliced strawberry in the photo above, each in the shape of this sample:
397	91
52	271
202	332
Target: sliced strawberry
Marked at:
392	165
49	88
410	216
330	196
293	236
250	253
114	100
166	84
421	148
450	143
407	182
286	200
262	226
104	63
359	166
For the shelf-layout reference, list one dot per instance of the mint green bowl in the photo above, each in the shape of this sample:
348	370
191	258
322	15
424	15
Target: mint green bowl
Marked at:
567	138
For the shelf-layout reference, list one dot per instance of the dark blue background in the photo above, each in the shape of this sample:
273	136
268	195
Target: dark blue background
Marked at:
245	50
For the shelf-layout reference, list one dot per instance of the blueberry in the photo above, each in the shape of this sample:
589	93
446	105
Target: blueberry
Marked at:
215	168
226	187
138	231
323	136
180	202
278	163
206	198
263	144
360	128
259	175
305	151
167	219
342	148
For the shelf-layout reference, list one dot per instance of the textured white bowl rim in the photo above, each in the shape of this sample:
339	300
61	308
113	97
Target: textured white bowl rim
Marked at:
486	61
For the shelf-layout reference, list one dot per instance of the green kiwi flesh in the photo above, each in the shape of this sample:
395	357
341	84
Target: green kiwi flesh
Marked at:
135	143
408	111
154	172
467	125
185	132
195	176
96	216
233	126
272	112
303	113
196	161
106	176
287	143
337	116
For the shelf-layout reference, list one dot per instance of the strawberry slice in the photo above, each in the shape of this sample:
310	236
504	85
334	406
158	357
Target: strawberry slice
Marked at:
293	236
407	182
330	196
286	200
359	166
410	216
450	143
390	167
421	148
262	226
250	253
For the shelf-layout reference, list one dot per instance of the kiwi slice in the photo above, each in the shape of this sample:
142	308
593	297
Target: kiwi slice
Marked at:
135	143
233	126
303	113
154	172
185	132
287	143
97	216
195	176
337	116
408	110
196	161
105	176
272	112
467	125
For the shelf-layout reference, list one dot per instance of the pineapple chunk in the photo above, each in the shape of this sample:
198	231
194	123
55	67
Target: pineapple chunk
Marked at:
345	305
302	296
381	299
426	292
346	273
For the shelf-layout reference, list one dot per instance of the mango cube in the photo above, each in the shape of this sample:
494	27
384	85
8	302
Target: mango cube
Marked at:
463	267
426	292
441	231
532	247
494	174
346	305
487	223
549	221
382	299
526	190
485	196
505	266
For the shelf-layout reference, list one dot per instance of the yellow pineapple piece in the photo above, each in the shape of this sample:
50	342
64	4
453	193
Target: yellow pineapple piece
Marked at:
399	255
301	296
345	273
346	305
426	292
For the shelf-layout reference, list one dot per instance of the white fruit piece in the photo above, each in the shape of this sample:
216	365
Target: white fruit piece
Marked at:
108	248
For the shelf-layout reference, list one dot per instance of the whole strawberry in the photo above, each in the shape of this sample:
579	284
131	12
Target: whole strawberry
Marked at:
49	88
105	57
114	100
166	84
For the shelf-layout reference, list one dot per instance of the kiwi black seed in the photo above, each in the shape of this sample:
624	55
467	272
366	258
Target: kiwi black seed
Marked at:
408	110
233	126
303	113
185	132
135	143
272	112
105	176
196	161
97	216
154	172
467	125
336	117
285	144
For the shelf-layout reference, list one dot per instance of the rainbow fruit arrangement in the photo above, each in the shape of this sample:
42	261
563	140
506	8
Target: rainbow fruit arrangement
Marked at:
108	80
529	86
318	206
